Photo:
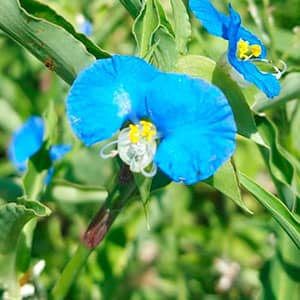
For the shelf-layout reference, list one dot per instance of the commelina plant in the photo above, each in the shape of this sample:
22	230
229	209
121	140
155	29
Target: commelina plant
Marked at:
163	114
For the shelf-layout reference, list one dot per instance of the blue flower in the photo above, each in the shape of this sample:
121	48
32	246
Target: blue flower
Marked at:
27	140
84	25
182	125
244	47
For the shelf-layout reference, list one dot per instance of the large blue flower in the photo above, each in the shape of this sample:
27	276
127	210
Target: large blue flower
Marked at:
27	140
183	125
244	47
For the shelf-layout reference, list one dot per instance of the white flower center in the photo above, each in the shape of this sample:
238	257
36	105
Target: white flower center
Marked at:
136	146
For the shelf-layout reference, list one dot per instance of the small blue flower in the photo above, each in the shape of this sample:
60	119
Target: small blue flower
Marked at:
182	125
27	140
244	47
84	25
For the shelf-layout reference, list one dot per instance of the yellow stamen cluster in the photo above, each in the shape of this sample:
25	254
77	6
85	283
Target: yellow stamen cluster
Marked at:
144	130
246	51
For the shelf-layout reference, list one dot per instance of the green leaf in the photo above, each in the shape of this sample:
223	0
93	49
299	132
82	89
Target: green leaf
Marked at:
37	169
153	34
163	18
132	6
280	276
276	158
287	220
41	38
9	189
182	25
226	181
13	217
8	276
242	113
145	25
164	55
43	11
72	193
290	89
196	66
144	186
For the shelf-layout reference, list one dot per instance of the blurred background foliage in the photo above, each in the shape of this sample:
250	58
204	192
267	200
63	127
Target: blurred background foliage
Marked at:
185	242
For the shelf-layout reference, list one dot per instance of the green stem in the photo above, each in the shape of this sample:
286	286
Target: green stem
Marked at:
70	272
122	191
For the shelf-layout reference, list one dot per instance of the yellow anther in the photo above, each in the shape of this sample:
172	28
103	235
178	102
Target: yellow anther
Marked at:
148	130
243	48
245	51
255	50
134	133
144	130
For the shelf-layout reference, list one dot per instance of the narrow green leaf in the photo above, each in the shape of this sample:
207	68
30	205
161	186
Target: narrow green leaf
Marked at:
73	194
35	176
276	158
287	220
280	276
48	42
132	6
182	25
43	11
226	181
144	186
12	219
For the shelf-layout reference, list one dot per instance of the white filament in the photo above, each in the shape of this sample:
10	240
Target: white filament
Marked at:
112	153
137	155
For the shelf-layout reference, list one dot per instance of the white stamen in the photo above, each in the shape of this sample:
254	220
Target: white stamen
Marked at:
137	155
284	68
112	153
278	73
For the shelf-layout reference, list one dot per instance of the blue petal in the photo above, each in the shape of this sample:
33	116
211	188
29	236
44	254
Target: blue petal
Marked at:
238	32
197	127
106	94
246	35
25	142
218	24
268	83
215	22
58	151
